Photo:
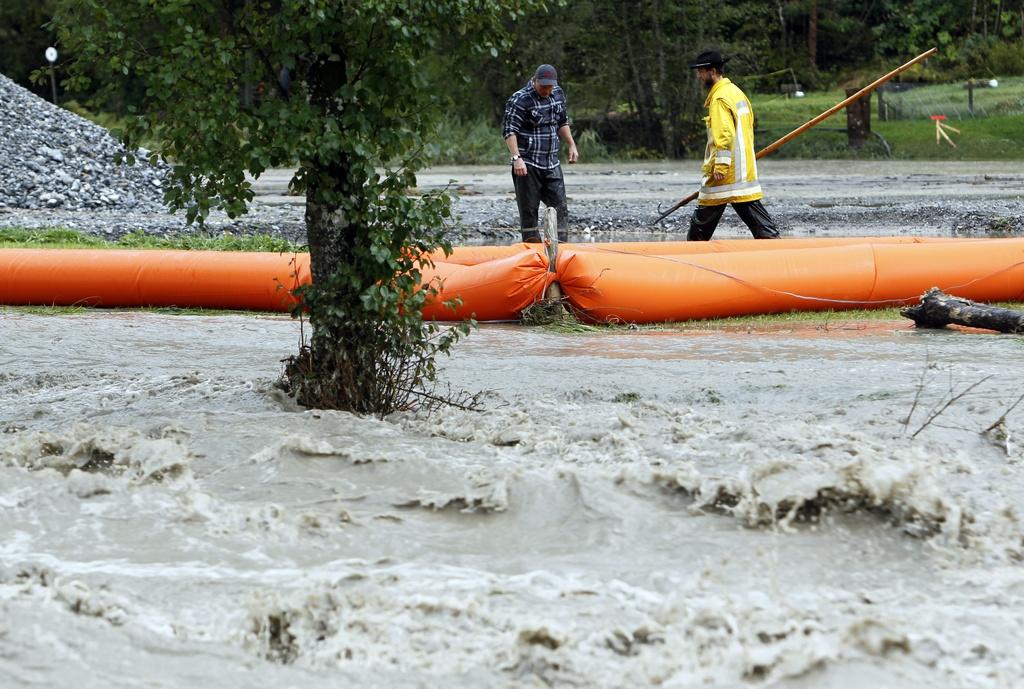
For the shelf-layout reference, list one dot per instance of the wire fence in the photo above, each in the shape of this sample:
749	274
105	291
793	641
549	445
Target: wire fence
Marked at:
961	101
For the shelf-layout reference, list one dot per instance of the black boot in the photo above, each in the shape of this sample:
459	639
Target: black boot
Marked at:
531	236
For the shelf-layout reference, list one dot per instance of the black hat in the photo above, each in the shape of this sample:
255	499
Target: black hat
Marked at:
546	75
710	58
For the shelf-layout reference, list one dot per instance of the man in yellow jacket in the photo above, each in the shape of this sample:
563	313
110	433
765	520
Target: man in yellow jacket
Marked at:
730	166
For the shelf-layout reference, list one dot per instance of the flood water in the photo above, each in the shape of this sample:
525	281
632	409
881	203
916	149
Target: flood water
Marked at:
819	506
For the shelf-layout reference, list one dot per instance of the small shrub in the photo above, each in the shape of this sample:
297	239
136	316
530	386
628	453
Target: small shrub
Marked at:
1007	58
591	148
472	142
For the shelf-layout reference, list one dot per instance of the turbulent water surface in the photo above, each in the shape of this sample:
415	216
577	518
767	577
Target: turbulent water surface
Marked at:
824	507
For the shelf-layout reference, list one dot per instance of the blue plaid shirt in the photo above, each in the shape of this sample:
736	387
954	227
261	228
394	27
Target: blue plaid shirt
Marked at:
535	121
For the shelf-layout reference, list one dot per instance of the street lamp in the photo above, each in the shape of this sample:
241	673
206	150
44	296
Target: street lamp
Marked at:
51	57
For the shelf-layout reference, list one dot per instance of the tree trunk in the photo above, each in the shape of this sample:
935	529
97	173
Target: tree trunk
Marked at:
938	309
336	374
812	34
652	137
782	25
858	119
663	85
330	233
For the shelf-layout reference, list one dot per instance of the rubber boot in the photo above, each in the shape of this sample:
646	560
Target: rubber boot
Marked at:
531	236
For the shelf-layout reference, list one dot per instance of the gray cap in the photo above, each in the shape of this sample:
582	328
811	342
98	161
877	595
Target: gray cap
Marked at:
546	75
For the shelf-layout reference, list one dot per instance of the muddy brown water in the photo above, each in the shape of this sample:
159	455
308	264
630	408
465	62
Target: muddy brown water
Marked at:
652	508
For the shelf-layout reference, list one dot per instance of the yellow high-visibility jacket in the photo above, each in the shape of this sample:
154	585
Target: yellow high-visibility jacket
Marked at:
730	149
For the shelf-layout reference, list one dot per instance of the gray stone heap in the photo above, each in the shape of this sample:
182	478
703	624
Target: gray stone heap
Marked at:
58	170
51	158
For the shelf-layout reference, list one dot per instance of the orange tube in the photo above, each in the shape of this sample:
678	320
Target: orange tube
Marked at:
616	287
986	270
495	290
649	289
471	255
639	283
717	246
102	277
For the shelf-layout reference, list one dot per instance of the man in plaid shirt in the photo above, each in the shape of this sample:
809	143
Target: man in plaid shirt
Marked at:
535	119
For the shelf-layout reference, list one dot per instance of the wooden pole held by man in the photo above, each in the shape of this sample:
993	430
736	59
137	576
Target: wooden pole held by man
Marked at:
771	148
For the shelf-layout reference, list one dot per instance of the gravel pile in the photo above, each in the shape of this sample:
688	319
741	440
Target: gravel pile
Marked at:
58	170
52	158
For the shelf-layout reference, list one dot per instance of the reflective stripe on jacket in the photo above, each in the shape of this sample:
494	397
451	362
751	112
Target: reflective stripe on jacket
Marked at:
730	148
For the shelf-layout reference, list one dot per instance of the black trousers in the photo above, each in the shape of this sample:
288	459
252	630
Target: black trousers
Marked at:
705	219
541	185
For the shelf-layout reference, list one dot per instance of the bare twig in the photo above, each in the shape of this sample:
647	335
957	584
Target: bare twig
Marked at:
917	393
463	400
954	427
937	411
1002	419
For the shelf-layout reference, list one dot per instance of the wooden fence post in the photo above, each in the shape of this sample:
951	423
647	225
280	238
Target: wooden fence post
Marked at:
858	119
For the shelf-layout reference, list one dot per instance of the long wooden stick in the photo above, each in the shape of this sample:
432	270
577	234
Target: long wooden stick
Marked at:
771	148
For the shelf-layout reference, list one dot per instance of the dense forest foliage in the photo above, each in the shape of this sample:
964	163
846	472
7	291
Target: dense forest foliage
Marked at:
624	64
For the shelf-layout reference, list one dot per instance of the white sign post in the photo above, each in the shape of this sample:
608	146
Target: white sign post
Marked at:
51	57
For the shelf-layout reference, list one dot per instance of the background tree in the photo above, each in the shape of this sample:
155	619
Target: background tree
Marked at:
354	113
625	72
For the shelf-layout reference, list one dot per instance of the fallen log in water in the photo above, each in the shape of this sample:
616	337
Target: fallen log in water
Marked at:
938	309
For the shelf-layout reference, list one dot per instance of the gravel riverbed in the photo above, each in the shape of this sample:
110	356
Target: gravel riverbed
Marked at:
618	203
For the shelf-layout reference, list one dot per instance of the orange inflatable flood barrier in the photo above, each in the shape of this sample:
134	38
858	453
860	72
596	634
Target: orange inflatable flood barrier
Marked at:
495	290
114	278
641	282
620	287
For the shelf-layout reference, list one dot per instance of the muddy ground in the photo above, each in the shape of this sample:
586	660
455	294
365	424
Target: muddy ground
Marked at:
807	198
617	202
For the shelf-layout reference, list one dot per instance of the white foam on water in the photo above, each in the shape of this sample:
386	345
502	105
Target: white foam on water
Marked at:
679	511
570	631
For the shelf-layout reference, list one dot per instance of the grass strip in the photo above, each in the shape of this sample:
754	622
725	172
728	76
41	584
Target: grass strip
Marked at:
64	238
762	321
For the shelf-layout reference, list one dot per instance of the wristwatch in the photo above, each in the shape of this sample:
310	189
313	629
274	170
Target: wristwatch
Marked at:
516	157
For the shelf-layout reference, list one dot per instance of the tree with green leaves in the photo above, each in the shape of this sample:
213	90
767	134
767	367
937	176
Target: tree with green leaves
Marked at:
338	88
627	72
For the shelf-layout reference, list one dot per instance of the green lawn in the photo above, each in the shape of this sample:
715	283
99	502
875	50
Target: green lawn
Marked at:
796	318
993	132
